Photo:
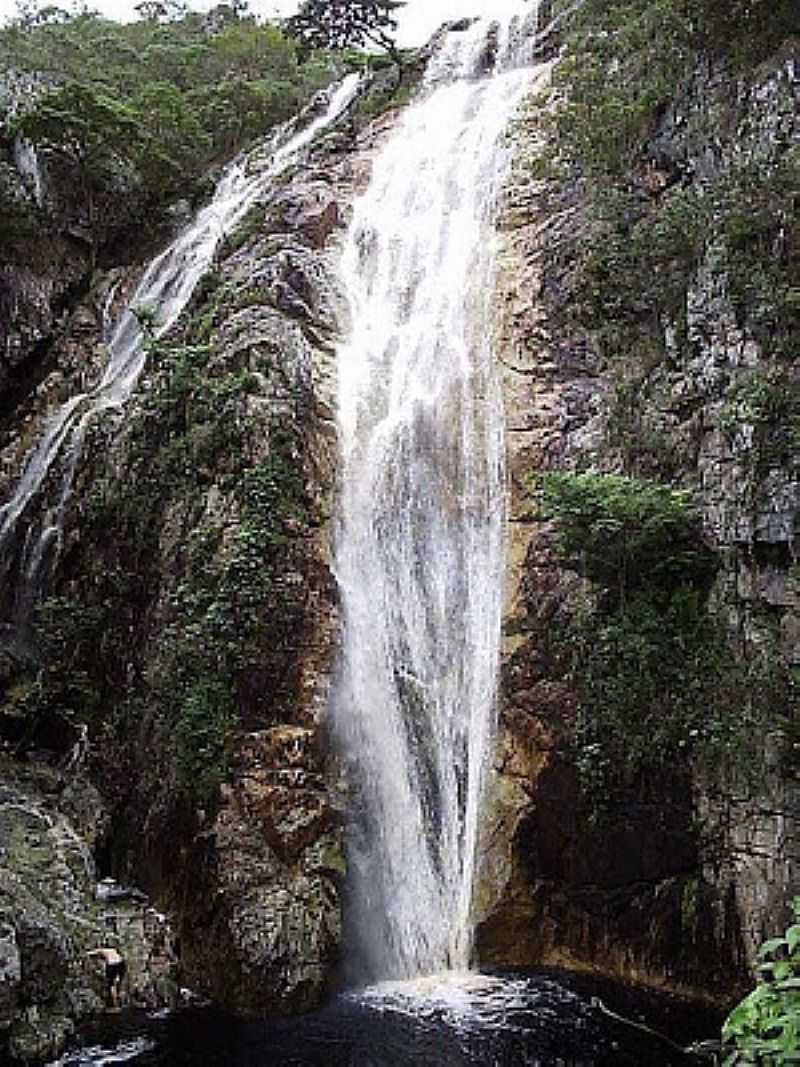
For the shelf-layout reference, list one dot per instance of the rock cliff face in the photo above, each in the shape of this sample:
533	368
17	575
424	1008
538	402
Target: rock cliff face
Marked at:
191	615
236	636
686	872
191	620
52	246
53	911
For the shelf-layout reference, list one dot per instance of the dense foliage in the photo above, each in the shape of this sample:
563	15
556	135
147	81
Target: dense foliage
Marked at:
346	23
624	533
765	1027
142	109
657	683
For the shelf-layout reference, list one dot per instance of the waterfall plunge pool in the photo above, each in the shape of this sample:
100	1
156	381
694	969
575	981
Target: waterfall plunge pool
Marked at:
544	1018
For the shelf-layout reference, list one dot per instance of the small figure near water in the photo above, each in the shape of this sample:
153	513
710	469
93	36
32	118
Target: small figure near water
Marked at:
115	971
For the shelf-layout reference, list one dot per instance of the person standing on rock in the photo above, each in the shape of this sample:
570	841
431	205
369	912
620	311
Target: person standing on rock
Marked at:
115	971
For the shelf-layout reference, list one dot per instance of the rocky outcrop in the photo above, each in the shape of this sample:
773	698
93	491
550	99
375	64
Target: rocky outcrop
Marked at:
255	885
192	618
40	229
53	911
641	893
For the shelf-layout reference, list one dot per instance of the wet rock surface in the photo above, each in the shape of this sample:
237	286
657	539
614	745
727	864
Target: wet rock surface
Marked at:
208	507
672	900
154	563
53	912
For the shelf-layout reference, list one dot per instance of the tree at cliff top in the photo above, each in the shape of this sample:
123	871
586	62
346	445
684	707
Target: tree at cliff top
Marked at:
346	23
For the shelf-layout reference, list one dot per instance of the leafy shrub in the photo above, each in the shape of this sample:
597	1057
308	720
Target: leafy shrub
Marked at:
625	533
656	679
765	1027
658	686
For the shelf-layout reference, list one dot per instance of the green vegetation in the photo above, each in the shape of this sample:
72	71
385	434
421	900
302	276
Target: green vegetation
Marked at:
633	273
757	221
623	62
224	624
656	680
346	23
766	402
173	618
626	60
670	229
229	614
141	110
386	93
203	588
765	1027
625	534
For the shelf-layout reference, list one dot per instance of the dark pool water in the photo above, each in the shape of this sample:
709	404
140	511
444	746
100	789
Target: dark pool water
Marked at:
548	1018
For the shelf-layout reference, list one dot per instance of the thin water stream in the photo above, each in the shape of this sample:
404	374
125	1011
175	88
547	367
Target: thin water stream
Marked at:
31	526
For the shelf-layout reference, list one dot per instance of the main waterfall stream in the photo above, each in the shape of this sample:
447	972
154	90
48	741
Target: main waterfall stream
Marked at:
419	548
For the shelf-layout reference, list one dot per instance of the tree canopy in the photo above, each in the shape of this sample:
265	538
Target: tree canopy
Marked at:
346	23
146	107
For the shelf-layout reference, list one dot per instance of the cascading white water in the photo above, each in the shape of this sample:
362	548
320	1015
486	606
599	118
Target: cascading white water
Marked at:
419	547
164	291
27	163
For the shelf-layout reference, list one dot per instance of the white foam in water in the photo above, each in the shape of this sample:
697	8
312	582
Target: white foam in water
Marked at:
487	1021
463	1002
102	1056
419	545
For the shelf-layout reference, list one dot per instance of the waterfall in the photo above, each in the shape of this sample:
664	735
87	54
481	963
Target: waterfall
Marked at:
164	291
27	163
419	544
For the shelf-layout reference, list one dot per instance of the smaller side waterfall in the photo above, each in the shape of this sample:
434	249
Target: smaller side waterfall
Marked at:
164	290
419	548
27	163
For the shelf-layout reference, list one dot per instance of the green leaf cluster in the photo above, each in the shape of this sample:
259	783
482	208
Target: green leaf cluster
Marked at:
625	533
656	680
224	624
750	216
765	1027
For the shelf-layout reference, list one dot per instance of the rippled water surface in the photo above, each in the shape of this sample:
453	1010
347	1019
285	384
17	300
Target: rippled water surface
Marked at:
547	1019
